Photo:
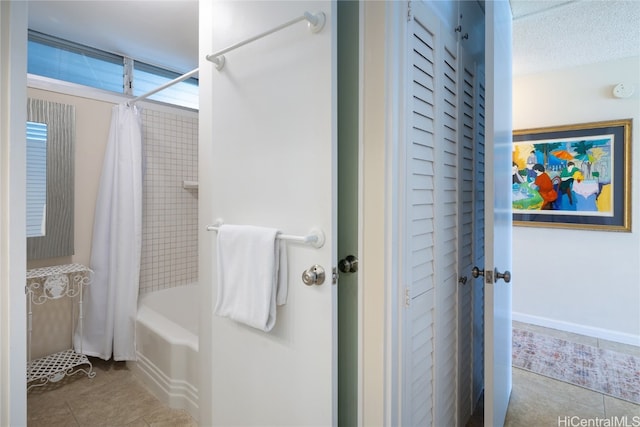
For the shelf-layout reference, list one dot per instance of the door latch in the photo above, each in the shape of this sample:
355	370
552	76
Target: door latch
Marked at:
488	275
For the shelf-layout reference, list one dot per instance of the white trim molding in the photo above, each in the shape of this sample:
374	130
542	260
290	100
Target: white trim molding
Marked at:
60	86
13	251
591	331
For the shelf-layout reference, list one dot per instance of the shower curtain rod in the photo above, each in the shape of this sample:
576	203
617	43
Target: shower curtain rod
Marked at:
316	23
163	87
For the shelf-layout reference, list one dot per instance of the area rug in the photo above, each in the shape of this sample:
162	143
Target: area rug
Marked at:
605	371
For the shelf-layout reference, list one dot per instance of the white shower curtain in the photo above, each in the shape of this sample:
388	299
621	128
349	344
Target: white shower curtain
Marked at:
110	302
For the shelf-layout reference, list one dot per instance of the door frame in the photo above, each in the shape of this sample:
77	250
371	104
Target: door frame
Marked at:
350	103
379	394
13	116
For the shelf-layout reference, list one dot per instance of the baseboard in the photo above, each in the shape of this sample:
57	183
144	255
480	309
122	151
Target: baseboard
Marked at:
174	393
605	334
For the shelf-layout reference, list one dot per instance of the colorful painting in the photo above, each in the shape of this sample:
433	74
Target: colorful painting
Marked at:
573	176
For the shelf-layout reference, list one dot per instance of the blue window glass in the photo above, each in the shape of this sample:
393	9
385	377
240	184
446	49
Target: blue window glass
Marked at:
71	62
36	178
147	78
62	60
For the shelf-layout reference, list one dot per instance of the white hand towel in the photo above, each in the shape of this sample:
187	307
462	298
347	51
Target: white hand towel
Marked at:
252	275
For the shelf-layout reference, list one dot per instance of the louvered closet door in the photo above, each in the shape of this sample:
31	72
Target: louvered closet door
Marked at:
446	235
477	285
418	254
466	259
471	238
431	225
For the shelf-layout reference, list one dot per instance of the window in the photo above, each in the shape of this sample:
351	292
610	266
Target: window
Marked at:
36	178
147	77
62	60
72	62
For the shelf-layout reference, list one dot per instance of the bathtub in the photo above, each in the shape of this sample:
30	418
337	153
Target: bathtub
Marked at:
167	346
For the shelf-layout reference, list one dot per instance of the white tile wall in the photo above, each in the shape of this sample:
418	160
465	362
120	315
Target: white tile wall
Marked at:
170	212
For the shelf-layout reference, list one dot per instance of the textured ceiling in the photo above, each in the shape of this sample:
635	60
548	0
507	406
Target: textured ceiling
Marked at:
550	35
547	35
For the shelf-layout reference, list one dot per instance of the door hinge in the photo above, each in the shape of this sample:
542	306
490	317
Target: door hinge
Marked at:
407	297
334	275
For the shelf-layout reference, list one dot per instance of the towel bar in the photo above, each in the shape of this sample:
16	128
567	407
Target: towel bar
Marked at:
315	237
316	23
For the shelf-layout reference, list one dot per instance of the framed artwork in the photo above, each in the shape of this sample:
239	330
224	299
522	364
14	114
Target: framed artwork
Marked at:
576	176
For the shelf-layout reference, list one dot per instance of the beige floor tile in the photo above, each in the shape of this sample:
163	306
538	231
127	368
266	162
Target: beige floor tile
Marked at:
167	417
633	350
563	392
119	403
56	420
540	401
140	422
113	398
44	411
79	383
617	408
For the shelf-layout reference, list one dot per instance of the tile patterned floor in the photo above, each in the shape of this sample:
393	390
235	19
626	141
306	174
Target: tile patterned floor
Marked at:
114	397
540	401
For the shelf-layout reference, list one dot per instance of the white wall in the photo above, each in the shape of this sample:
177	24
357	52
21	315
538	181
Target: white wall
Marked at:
170	140
92	128
580	281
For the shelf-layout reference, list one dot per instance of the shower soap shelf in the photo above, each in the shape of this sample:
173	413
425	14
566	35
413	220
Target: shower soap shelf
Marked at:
51	283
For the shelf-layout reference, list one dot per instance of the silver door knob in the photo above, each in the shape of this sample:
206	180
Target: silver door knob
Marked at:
506	276
348	264
314	275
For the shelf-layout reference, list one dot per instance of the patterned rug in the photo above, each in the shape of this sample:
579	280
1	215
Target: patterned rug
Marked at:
604	371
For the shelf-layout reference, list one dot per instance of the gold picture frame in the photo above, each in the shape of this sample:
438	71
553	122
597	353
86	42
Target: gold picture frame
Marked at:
575	176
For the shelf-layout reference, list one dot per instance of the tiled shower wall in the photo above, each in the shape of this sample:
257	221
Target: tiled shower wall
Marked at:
170	212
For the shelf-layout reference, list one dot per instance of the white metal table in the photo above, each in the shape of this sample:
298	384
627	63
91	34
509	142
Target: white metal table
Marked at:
50	283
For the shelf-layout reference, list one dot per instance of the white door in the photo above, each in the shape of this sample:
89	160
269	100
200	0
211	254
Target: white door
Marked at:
268	158
497	328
